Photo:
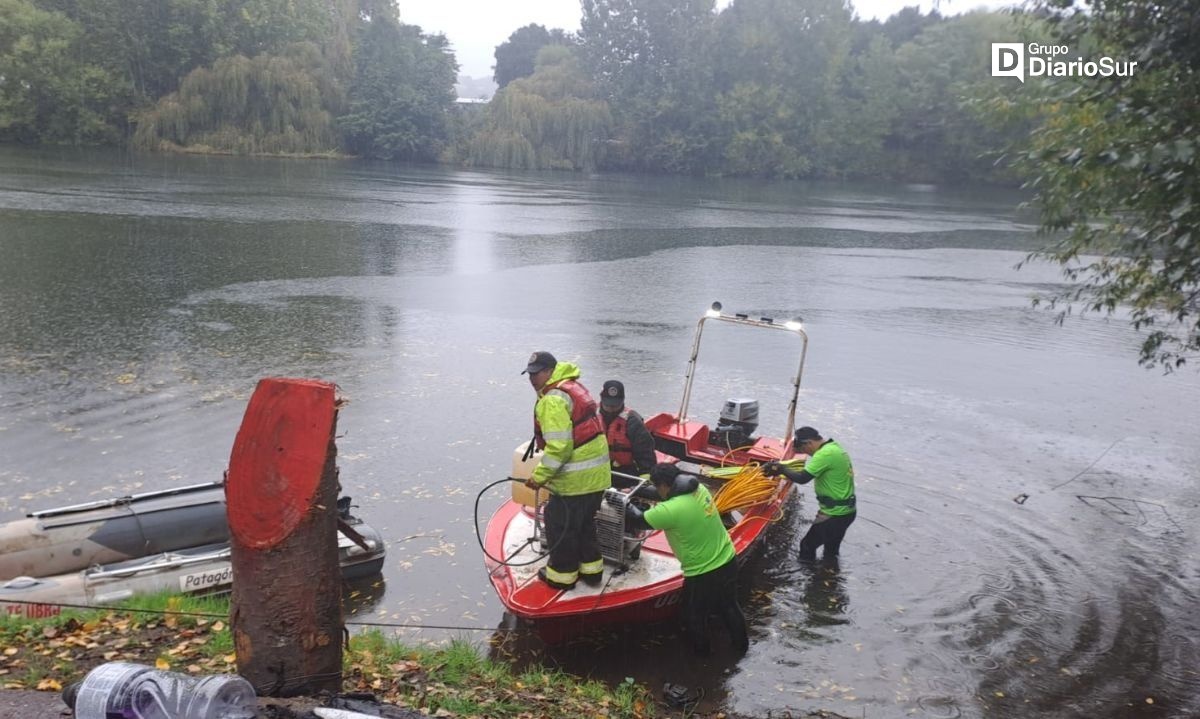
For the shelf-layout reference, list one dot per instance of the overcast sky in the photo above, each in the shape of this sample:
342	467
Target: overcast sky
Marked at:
476	27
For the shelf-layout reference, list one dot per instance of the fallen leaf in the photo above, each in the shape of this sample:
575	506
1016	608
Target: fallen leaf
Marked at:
49	685
162	664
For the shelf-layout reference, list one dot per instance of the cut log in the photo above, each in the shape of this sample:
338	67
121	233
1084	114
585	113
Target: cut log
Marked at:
281	495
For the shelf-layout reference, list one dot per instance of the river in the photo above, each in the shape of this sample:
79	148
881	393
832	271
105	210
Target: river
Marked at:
1028	496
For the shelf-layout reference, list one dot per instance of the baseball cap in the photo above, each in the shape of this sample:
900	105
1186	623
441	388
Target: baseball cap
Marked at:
613	394
539	361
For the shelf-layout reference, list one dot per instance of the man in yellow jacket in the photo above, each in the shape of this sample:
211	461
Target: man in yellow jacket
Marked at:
575	468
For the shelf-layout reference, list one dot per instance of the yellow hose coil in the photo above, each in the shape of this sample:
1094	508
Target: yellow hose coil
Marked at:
746	485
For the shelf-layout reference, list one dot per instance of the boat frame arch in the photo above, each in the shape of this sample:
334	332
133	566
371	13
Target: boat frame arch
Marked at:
714	312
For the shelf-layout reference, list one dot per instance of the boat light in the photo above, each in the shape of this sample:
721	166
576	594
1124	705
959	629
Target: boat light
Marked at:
795	325
715	310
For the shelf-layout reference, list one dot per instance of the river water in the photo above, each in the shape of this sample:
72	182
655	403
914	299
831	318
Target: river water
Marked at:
1028	496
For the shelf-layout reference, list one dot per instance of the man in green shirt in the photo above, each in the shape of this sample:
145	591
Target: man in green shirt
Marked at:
700	541
830	467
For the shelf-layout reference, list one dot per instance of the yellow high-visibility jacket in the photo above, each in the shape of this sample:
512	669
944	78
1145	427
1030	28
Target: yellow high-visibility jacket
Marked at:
568	469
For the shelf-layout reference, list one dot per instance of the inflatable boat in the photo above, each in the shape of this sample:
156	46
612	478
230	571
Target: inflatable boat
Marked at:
174	540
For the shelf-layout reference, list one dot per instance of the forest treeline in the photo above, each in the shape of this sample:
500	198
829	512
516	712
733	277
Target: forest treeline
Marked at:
241	76
766	88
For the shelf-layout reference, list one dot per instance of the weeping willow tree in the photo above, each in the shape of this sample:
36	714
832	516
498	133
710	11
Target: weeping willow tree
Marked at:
549	120
268	104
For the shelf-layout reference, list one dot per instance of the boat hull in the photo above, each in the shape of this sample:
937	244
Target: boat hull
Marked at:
650	590
195	570
70	539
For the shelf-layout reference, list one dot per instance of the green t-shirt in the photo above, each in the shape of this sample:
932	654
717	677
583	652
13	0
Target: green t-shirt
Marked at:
833	477
694	531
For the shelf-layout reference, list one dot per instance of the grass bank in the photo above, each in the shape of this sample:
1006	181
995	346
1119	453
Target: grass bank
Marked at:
191	635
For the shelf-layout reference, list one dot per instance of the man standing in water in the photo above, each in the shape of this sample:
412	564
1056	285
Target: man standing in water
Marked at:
830	466
574	467
689	518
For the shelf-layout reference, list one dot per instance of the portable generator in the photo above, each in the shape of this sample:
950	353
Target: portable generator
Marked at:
619	545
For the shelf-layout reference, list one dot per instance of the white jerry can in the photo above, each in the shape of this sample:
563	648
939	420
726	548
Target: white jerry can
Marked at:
523	469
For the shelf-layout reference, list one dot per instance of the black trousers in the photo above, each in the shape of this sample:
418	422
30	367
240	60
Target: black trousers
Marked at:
828	531
714	591
571	530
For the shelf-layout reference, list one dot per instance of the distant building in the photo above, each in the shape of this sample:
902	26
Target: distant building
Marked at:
475	88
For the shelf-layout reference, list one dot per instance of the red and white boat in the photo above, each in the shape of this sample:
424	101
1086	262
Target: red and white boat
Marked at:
642	578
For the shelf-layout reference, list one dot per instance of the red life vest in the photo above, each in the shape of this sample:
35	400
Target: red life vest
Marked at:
584	415
620	449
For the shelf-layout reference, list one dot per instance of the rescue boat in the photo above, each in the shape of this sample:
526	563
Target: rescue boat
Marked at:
642	579
174	540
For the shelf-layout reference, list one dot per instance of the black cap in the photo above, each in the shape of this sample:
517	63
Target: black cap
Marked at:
613	394
539	361
806	433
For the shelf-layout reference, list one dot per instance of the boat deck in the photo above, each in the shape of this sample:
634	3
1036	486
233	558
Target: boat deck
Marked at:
656	564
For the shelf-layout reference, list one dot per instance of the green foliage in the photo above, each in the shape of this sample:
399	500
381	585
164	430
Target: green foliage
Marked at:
1115	168
550	120
653	60
402	93
516	57
938	132
48	92
907	24
153	44
794	88
245	76
790	62
268	104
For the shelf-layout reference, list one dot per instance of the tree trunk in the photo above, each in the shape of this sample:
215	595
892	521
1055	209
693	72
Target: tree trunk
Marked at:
281	495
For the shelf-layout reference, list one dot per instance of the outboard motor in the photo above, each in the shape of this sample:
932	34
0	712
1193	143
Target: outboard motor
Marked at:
736	425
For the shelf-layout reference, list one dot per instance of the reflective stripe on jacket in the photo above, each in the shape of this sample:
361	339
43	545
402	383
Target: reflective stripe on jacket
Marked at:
561	416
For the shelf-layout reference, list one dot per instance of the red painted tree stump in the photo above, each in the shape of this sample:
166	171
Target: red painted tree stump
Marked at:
281	495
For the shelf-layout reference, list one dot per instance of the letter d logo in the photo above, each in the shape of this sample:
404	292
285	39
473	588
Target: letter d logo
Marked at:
1008	60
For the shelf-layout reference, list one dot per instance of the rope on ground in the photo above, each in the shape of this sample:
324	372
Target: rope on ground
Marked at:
213	615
